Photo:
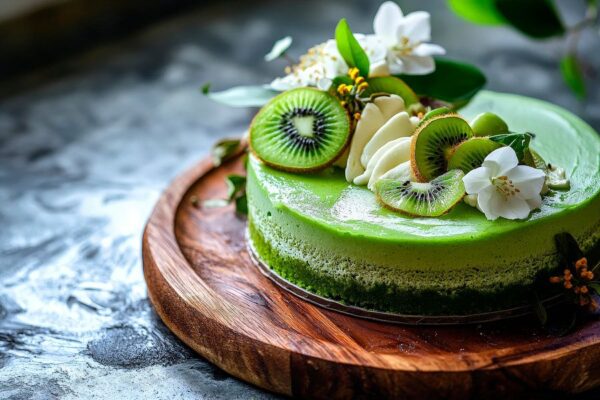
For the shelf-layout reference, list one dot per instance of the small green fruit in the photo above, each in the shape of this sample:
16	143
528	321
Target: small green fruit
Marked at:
487	124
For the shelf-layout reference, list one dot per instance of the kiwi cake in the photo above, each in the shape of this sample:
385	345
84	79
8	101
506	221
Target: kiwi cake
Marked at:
412	245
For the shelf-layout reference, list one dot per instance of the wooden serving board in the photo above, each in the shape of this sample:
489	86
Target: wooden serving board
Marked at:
206	289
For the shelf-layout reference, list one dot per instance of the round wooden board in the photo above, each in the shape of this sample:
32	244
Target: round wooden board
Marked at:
207	290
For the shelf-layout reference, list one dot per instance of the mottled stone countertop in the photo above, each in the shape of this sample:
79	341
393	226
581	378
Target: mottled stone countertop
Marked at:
86	148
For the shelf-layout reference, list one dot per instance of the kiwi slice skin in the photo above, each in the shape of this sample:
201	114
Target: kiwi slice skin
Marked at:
433	143
470	154
390	85
488	124
430	199
435	113
300	130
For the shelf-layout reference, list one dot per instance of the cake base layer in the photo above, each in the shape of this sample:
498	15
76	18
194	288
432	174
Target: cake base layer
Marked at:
333	239
460	297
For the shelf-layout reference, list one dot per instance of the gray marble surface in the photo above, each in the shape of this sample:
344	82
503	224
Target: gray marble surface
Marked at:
87	146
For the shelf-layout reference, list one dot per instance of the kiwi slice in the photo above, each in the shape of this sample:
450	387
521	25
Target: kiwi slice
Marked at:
434	113
391	85
434	142
422	199
300	130
470	154
488	124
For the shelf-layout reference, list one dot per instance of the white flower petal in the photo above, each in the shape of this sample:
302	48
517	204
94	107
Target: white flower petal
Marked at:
415	26
484	202
283	84
500	161
414	65
528	180
428	49
395	64
477	180
379	69
512	208
375	48
535	202
324	83
386	21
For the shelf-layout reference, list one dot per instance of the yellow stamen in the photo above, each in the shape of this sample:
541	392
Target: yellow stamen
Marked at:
362	87
357	116
344	89
359	80
353	72
505	186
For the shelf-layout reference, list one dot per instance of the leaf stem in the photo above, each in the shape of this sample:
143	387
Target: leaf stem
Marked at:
574	32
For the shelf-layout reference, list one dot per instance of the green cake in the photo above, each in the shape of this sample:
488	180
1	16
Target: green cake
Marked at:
381	179
333	238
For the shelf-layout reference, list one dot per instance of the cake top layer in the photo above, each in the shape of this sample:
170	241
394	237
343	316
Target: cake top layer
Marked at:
327	199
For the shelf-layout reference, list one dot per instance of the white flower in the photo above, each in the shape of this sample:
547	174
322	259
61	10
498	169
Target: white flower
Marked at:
324	62
504	188
398	46
405	37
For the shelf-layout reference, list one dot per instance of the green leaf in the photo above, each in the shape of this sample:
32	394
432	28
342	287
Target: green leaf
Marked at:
540	310
567	248
572	74
571	322
477	11
452	81
595	287
224	149
241	205
535	18
236	186
350	49
242	96
279	48
518	141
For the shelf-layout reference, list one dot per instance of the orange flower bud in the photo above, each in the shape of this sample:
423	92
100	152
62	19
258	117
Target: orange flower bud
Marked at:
583	289
568	285
555	279
357	116
582	262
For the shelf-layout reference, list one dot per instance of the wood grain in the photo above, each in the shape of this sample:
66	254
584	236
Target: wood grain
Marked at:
206	289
